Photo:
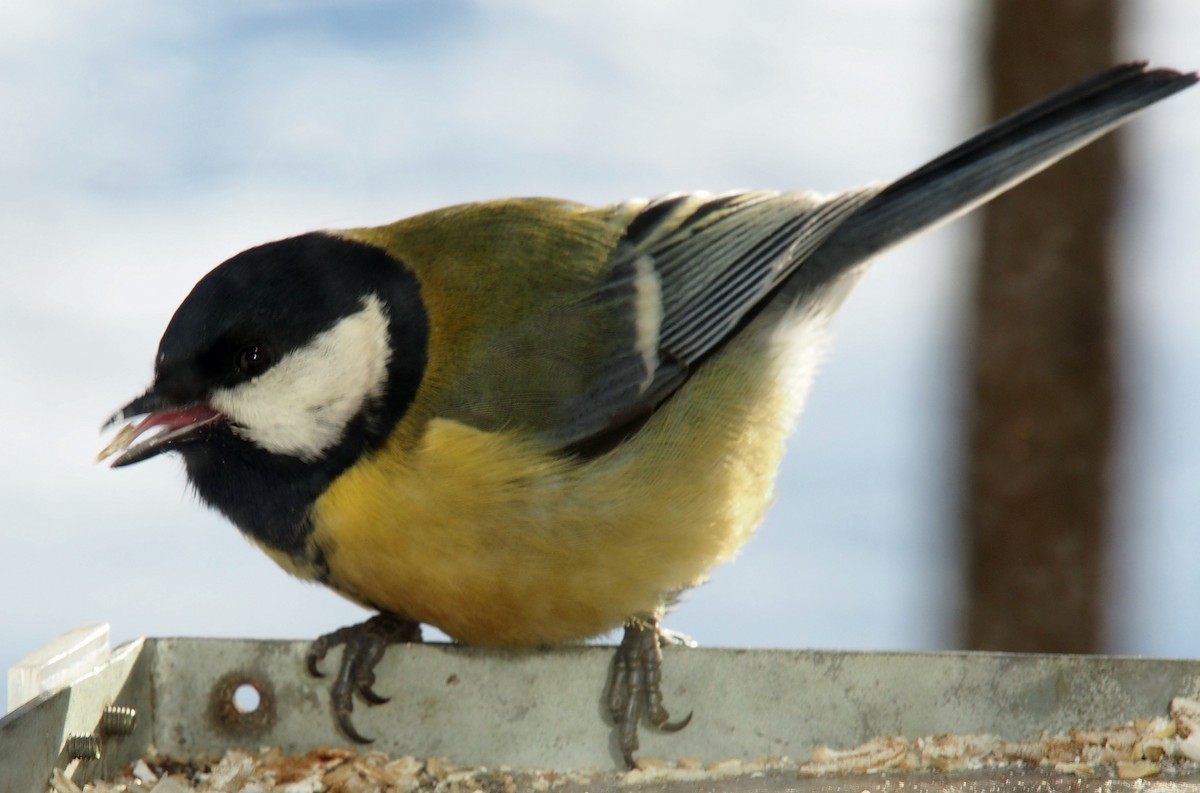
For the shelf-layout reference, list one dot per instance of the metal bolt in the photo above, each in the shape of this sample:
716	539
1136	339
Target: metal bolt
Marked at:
118	720
84	747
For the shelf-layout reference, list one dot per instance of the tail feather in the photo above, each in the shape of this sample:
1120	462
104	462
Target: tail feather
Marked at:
1000	156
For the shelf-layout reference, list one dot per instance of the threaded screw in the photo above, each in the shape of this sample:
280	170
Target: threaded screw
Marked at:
118	720
84	747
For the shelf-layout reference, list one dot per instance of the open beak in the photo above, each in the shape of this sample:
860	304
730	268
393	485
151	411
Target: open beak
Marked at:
177	424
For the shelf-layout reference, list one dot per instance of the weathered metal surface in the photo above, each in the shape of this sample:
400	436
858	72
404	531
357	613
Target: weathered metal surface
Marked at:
546	710
33	737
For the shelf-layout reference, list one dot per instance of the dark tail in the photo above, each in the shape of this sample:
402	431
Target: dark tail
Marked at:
1005	153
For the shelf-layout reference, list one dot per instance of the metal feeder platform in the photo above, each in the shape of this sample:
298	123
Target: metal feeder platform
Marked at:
90	710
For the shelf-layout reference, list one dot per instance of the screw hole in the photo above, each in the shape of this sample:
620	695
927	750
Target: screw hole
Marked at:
242	703
247	698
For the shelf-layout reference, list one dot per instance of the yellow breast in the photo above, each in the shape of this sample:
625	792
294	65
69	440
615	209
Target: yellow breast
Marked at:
496	542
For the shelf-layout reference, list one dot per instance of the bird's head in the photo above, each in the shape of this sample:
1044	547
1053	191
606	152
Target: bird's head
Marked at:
286	362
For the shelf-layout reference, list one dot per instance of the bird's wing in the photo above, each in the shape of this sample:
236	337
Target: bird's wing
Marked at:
688	271
630	299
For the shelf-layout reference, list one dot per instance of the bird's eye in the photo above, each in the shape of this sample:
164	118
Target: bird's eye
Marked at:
254	359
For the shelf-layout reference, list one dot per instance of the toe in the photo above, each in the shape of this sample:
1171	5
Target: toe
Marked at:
363	646
635	686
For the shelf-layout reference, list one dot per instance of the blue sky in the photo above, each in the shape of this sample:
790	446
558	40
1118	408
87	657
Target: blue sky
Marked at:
145	142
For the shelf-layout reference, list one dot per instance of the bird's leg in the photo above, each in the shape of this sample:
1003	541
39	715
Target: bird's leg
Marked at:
635	684
363	646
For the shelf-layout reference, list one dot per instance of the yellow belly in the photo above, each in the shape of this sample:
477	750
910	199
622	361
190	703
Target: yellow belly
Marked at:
497	543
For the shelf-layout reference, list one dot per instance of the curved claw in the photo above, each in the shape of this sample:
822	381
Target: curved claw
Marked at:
343	720
676	726
363	646
635	686
315	655
371	697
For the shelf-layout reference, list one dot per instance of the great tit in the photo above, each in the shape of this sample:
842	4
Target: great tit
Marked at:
529	421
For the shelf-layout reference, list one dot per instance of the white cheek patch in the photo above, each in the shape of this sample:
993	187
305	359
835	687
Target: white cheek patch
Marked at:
301	406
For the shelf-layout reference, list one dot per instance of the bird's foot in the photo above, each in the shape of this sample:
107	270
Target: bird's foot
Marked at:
635	685
363	646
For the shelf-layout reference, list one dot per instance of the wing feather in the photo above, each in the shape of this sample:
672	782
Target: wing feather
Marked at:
715	260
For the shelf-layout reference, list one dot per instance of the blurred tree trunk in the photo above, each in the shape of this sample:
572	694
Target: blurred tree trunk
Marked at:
1042	373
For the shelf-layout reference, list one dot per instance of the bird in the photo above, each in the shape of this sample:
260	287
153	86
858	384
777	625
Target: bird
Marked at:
528	422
